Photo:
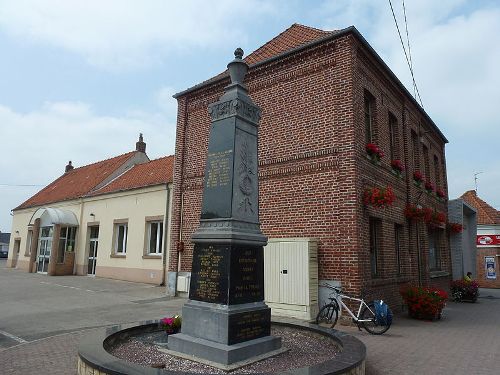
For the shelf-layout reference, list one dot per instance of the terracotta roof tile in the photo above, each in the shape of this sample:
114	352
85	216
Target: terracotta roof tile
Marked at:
485	213
77	182
295	36
155	172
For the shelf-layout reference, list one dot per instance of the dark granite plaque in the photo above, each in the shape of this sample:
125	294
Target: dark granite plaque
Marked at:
249	325
247	274
219	172
209	275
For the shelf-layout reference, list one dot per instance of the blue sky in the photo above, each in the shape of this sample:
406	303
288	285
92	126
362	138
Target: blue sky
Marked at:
80	79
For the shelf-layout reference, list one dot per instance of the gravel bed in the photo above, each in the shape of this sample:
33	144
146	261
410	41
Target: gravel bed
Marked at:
305	349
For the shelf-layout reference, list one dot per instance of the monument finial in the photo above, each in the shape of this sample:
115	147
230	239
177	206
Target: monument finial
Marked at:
238	53
237	68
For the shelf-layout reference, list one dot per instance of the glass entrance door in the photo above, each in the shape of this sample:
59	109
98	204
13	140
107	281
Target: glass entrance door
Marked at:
93	245
44	249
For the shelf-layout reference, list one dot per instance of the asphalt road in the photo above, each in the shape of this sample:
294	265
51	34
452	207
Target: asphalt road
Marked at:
35	306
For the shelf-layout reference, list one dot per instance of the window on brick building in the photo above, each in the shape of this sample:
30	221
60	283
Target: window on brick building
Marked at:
374	245
437	173
369	116
414	142
393	136
425	153
398	235
434	253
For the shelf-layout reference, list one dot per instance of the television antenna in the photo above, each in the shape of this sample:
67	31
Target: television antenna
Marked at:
475	179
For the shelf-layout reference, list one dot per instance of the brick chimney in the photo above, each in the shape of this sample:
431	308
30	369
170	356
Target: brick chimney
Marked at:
141	145
68	167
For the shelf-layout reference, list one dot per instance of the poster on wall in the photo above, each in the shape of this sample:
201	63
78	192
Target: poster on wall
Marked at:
491	272
488	240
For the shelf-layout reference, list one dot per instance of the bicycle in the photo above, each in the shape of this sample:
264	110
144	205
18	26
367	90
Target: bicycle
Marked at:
367	316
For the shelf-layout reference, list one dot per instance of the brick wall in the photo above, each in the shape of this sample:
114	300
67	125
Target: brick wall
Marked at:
481	268
313	167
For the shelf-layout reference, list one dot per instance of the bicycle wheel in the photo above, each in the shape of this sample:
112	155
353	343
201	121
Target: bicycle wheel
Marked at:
328	315
372	326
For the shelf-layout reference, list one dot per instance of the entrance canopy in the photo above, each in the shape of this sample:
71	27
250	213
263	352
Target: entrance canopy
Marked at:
55	216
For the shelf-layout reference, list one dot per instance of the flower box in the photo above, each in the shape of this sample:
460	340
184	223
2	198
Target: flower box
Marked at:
378	197
429	187
418	178
424	303
397	167
455	228
374	153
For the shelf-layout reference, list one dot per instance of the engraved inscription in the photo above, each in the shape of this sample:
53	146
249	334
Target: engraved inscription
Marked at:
247	174
219	169
249	325
209	276
247	275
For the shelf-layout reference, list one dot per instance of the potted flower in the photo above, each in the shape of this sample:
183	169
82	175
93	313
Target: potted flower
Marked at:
440	194
424	303
397	167
429	187
414	212
418	178
378	197
433	218
171	325
455	228
374	153
462	290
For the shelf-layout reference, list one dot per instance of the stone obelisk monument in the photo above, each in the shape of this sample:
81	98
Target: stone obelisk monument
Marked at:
226	320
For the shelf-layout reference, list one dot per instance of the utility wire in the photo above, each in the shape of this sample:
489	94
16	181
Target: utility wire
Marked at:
406	55
409	48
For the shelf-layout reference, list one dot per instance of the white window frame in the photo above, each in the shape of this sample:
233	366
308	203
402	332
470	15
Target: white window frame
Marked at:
117	236
159	239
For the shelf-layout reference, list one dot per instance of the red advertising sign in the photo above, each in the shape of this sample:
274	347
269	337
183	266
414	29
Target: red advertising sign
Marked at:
488	240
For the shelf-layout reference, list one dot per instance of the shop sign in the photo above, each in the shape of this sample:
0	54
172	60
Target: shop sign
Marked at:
491	272
488	240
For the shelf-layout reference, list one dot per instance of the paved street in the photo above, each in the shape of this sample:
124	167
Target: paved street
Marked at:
46	317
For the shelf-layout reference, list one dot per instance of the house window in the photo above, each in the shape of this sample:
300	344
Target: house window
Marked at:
374	245
155	237
434	255
66	242
425	152
121	238
393	135
29	238
398	231
437	175
369	115
414	141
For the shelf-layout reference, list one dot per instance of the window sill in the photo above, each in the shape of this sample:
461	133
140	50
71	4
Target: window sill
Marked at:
118	255
151	256
436	274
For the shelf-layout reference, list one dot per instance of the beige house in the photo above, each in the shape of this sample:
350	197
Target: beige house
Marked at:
108	219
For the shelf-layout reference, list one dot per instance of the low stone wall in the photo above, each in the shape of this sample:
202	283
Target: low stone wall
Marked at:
94	359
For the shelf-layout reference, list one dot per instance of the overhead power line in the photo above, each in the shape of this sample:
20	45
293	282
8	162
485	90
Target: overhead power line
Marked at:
408	61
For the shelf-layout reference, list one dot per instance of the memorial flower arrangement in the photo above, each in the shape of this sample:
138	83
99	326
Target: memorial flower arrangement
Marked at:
429	187
379	197
440	193
374	152
418	177
171	325
397	167
455	228
424	303
462	290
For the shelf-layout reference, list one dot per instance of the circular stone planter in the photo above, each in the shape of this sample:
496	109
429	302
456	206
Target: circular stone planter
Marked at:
92	354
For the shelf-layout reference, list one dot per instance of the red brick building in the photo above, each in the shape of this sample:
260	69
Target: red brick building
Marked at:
487	241
324	95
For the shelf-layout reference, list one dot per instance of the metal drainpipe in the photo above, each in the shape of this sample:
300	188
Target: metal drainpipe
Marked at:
166	253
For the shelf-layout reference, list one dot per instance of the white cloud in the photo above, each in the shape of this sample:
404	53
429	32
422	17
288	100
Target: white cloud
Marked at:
118	34
40	143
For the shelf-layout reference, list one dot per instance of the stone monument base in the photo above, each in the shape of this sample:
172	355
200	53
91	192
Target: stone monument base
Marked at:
226	357
224	334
